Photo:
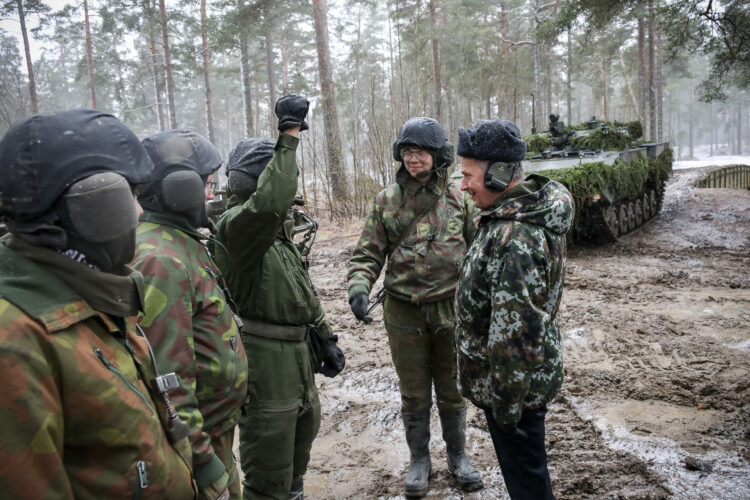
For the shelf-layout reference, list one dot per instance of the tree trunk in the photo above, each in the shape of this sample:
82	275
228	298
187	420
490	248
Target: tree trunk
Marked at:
651	74
691	118
605	85
659	90
284	68
167	65
271	83
89	55
435	60
569	92
535	120
330	119
641	73
206	75
247	101
156	69
29	65
739	122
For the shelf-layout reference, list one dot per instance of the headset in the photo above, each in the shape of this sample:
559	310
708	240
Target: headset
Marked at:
498	176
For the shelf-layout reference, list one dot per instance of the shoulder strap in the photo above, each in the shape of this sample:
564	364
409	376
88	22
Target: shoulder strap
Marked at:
413	222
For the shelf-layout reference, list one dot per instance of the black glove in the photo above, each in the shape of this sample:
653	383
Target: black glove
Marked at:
291	111
333	358
359	304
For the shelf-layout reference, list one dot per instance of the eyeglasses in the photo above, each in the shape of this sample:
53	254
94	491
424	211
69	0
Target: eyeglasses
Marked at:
420	154
212	186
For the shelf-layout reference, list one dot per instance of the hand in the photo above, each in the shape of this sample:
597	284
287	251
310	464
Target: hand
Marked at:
359	304
333	358
291	111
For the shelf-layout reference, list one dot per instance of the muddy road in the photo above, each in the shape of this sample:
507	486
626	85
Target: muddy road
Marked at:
656	399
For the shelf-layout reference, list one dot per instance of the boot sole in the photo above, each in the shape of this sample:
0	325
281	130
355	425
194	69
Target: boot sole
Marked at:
472	486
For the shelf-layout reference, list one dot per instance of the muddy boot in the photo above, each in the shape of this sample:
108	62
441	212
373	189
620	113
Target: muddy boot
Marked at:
296	491
454	435
417	426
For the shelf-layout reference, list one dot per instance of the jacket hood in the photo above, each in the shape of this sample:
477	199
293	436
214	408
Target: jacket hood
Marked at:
539	201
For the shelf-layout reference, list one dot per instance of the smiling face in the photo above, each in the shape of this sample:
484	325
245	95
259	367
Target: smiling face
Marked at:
473	183
418	162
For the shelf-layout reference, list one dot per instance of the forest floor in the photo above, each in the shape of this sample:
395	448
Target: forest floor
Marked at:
656	398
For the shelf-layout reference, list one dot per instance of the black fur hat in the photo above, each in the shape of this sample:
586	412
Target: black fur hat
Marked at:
492	140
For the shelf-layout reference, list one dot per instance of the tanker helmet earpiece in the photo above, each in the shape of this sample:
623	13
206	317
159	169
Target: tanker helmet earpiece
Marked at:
183	191
99	216
498	176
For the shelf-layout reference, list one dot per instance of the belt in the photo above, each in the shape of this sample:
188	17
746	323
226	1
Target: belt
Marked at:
273	331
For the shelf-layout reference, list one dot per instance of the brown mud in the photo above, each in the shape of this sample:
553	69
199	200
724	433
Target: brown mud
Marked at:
656	399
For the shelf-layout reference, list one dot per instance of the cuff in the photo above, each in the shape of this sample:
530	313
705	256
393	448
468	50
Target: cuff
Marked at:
286	141
209	472
357	289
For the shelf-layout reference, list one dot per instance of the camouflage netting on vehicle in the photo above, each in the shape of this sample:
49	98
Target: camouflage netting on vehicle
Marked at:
593	182
596	140
536	143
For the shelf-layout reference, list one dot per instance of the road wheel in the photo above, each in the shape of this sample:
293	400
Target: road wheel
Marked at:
623	218
638	213
631	216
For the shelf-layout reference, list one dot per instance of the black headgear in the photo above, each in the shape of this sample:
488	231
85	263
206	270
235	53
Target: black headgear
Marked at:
492	140
425	133
246	162
183	160
65	183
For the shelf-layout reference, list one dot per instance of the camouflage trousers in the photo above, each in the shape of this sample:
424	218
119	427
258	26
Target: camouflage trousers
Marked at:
223	450
280	418
423	350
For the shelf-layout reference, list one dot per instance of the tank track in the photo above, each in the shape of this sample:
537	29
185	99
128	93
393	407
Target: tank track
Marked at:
606	223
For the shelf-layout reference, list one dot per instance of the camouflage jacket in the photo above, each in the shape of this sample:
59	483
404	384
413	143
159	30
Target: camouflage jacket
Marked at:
424	267
190	327
79	416
508	343
262	265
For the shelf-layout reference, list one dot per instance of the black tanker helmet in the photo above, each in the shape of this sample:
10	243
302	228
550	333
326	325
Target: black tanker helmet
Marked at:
425	133
246	162
66	182
183	160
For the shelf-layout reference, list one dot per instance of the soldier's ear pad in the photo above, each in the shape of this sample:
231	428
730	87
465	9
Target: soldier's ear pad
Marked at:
183	191
445	155
397	152
498	176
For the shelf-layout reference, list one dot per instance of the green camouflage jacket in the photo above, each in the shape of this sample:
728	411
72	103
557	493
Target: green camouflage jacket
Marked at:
79	417
190	327
424	267
508	343
262	265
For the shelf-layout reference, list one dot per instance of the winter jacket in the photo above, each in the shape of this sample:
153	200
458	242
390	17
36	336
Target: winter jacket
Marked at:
509	290
80	416
424	266
190	327
262	266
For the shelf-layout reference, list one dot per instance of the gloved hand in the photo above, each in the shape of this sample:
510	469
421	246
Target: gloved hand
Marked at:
359	304
291	111
333	358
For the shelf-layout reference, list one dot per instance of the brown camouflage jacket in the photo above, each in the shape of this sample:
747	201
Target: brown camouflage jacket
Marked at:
424	267
79	416
511	283
190	327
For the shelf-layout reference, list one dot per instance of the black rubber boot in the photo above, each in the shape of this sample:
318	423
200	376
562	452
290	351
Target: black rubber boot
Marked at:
454	435
296	492
417	427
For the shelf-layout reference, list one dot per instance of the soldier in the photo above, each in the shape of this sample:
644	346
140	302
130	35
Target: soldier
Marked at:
187	318
84	409
509	351
278	307
423	224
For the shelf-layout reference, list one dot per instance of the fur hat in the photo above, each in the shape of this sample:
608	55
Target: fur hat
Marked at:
492	140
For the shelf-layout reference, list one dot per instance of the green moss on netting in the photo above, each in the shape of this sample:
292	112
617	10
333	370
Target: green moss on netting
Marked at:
537	143
635	129
664	164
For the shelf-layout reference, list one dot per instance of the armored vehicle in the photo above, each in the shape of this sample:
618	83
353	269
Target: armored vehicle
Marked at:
618	184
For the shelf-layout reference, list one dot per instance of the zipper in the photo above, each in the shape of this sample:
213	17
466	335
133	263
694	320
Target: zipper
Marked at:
233	343
142	474
122	377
